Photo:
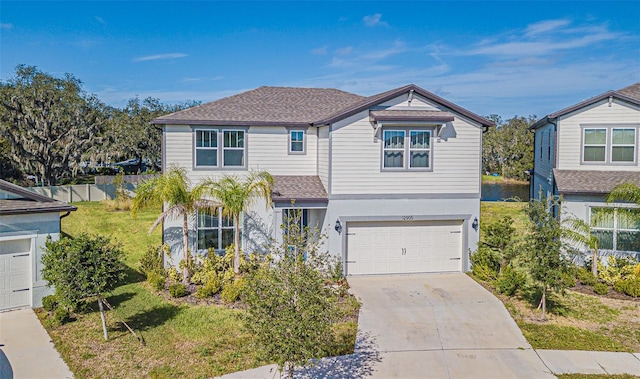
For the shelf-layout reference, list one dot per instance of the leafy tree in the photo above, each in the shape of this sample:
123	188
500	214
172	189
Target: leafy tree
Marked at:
290	309
131	133
628	192
501	238
236	196
82	267
508	148
50	123
9	171
546	262
173	190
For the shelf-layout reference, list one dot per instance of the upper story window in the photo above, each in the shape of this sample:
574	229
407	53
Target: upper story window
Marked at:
296	142
406	149
609	145
209	154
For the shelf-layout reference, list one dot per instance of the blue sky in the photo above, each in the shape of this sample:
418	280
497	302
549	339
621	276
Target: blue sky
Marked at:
507	58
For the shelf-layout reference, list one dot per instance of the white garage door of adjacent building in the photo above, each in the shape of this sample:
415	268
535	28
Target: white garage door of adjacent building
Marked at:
15	267
404	247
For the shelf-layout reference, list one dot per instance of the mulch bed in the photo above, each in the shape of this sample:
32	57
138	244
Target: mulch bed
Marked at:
588	290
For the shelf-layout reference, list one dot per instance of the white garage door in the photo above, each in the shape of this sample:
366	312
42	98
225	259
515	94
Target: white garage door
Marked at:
15	263
404	247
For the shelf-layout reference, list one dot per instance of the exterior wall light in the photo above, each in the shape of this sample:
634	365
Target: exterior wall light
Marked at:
475	224
338	226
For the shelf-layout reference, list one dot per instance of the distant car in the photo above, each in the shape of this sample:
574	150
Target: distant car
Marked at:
131	166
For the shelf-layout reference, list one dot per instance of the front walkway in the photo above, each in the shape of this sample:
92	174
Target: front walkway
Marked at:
26	350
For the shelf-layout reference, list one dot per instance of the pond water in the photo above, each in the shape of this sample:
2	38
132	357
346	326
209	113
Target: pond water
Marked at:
496	191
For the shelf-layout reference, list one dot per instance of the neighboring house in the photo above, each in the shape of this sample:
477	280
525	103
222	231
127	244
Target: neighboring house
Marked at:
393	179
26	220
582	152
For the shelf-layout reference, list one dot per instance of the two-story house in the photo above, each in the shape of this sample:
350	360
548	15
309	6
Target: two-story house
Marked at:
582	152
393	179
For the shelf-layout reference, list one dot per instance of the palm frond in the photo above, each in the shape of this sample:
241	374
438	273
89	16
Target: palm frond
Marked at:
627	192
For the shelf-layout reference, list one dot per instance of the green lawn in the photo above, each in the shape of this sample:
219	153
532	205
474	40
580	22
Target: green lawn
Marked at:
492	211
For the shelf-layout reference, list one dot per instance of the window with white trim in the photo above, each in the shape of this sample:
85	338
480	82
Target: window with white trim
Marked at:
609	145
299	216
214	230
617	229
406	149
216	148
296	142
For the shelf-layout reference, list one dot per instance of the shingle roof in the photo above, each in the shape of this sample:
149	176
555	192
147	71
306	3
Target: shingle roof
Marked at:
289	106
268	106
29	202
298	188
411	115
631	91
629	94
592	182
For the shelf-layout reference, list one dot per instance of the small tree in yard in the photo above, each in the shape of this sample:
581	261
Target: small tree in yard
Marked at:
500	237
578	231
290	309
546	262
82	267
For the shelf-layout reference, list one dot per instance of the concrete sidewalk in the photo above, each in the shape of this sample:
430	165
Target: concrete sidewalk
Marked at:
26	350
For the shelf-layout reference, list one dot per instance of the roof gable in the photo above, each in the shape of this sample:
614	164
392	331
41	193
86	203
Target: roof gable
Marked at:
289	106
630	94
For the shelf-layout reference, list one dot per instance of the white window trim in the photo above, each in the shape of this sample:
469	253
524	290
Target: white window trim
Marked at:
220	148
406	149
609	144
614	229
219	228
304	142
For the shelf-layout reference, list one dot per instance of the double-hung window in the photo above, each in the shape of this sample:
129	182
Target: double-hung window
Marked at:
296	142
609	145
617	229
219	148
214	230
406	149
295	218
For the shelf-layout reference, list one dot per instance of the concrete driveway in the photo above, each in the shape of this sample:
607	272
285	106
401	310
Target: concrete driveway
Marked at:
439	326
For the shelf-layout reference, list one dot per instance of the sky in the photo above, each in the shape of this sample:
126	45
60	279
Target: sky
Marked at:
506	58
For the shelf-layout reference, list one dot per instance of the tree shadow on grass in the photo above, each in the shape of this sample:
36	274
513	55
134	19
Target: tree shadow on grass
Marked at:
360	364
153	317
132	276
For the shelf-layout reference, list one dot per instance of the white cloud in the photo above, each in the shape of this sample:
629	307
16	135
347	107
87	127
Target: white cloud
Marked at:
544	27
322	50
374	20
159	57
6	26
100	20
344	50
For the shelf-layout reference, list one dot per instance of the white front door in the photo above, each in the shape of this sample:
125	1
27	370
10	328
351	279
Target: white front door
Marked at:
404	247
15	273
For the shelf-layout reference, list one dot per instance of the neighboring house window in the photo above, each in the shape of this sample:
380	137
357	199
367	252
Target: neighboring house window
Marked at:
618	230
406	149
609	145
214	230
296	142
549	147
209	155
206	148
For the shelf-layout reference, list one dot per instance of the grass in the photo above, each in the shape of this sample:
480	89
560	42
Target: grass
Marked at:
500	179
492	211
181	341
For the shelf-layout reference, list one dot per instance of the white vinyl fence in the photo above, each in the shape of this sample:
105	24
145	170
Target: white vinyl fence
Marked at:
102	190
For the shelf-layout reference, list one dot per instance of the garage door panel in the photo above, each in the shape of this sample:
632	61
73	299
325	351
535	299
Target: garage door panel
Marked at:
15	260
404	247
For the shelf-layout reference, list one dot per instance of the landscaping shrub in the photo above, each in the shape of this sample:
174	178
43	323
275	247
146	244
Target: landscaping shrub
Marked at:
510	281
231	291
178	290
151	261
210	288
616	269
586	277
156	281
49	303
61	316
485	264
629	286
601	288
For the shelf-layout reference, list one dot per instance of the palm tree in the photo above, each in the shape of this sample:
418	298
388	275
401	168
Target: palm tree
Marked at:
625	192
173	189
578	231
236	196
